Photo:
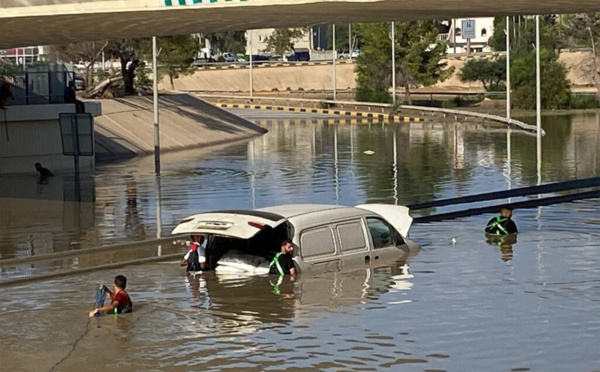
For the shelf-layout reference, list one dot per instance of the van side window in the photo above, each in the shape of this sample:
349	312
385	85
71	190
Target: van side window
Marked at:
317	242
383	234
352	237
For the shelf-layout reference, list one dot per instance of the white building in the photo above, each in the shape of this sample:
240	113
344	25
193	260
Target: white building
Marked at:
256	41
23	56
484	28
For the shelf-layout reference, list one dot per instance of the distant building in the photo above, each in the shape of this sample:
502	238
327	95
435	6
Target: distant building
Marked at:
22	56
484	28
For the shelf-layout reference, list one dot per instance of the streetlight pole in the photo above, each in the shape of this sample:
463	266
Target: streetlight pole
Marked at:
334	67
393	63
155	102
454	35
350	40
538	99
508	101
251	67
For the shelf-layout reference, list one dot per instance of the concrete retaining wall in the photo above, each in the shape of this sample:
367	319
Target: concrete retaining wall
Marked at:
266	79
320	77
126	128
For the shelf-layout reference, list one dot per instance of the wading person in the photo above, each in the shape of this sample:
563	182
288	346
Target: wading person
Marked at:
282	263
120	302
502	225
44	172
195	258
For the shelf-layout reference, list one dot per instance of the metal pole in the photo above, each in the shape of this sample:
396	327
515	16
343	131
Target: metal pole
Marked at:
393	63
538	98
334	67
158	212
155	99
508	101
395	166
75	141
251	67
335	165
350	40
454	34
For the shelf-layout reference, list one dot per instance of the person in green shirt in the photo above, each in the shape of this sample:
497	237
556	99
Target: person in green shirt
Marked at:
502	225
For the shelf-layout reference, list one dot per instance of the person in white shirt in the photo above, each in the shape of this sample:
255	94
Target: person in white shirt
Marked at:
195	258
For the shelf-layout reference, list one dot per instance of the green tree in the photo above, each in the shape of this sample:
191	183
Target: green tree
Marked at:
8	69
176	53
282	39
555	91
88	53
490	72
583	30
522	34
418	59
342	40
128	52
229	41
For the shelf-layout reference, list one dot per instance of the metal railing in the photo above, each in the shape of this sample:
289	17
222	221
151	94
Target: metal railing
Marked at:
40	85
369	106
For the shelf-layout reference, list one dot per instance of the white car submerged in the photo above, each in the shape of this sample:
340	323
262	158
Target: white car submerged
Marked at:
326	237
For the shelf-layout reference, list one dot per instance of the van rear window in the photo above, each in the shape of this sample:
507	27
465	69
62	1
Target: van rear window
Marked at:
317	242
352	237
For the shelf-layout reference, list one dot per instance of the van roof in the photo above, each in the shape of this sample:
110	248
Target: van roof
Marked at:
294	210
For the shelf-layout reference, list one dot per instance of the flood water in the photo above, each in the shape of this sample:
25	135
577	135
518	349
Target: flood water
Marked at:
468	306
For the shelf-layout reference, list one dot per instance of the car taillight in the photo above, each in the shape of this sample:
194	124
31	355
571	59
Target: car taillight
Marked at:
256	224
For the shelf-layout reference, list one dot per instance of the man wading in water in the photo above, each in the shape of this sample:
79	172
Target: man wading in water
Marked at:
502	225
282	263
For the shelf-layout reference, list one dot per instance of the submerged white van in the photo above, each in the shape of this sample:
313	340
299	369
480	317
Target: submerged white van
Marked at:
326	237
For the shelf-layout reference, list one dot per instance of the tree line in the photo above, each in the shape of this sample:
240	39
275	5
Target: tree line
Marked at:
556	33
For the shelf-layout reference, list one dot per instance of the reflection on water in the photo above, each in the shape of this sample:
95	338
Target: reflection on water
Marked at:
471	305
206	323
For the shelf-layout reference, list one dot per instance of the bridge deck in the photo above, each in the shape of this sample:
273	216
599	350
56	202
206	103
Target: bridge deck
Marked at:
39	22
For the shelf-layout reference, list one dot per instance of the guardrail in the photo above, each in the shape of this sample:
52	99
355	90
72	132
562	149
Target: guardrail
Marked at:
382	107
267	64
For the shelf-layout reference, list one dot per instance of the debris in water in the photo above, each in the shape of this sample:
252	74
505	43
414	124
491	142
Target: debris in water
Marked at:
369	152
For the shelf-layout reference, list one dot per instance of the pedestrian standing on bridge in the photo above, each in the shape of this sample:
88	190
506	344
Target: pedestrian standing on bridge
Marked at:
503	224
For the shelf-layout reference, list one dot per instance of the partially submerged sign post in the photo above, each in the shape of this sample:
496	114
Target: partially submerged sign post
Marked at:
468	32
77	133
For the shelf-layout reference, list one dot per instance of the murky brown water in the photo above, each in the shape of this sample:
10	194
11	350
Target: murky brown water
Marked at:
469	307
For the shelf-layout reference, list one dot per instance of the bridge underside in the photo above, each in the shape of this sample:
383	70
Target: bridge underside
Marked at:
40	22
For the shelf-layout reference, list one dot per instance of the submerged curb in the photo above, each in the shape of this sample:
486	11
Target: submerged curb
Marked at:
365	116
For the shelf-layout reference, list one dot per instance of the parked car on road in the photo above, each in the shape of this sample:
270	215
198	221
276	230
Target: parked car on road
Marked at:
344	54
299	55
199	62
229	57
260	58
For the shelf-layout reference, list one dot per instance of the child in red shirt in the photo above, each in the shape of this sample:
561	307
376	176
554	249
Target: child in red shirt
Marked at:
120	302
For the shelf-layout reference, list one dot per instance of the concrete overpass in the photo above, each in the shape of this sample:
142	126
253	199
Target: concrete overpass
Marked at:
39	22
